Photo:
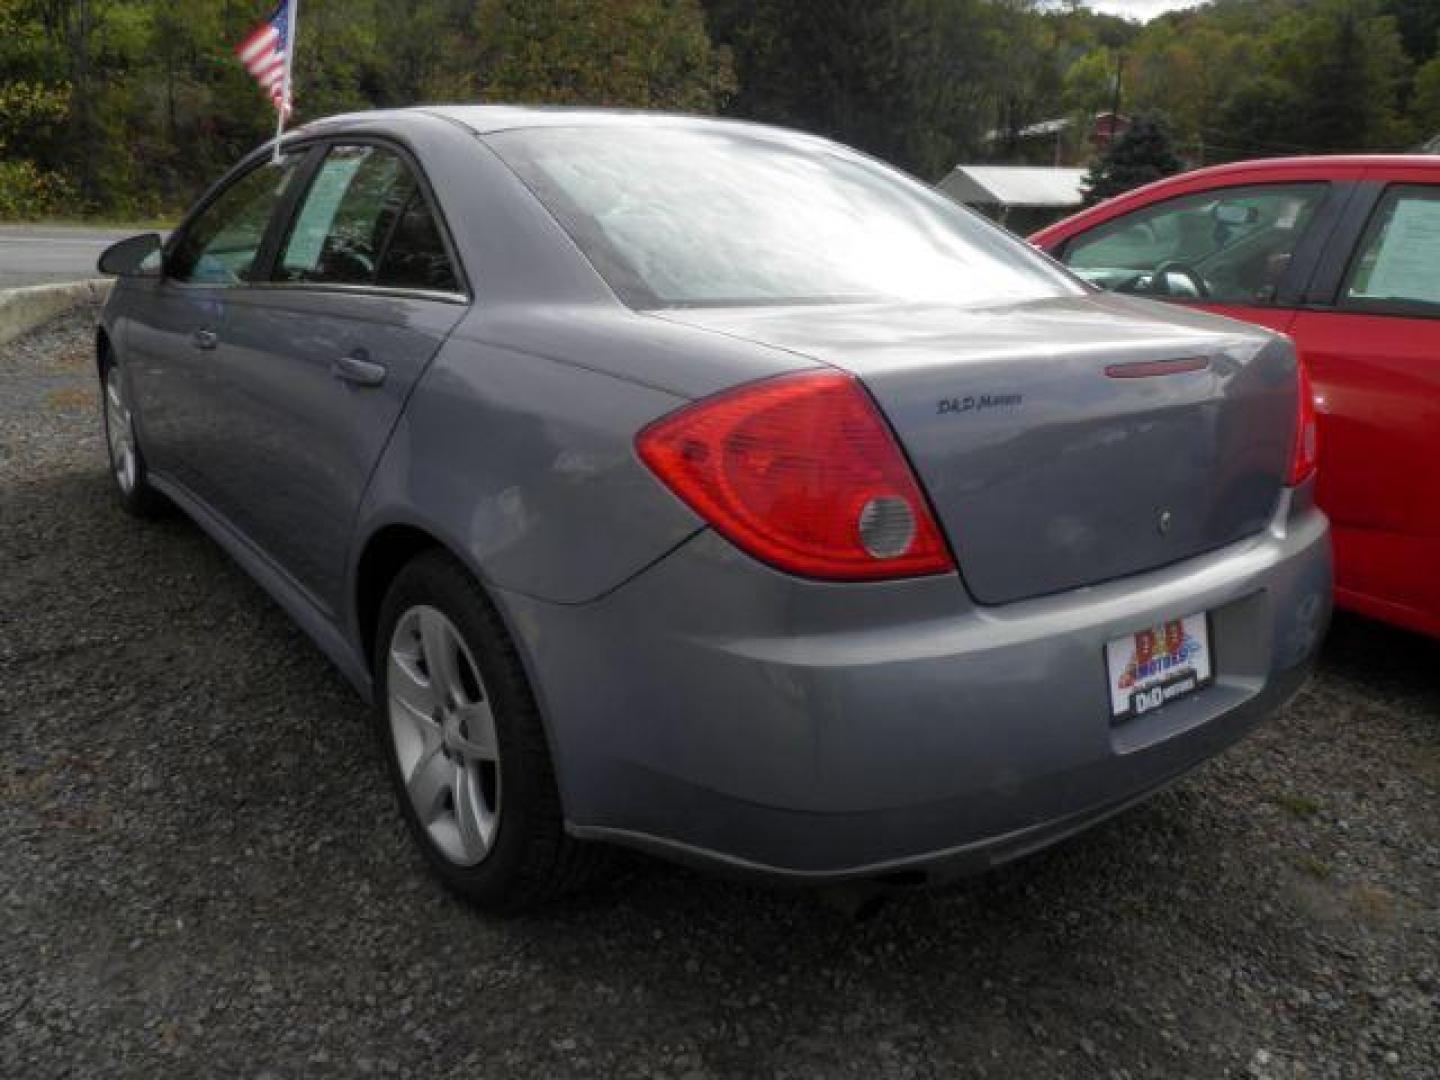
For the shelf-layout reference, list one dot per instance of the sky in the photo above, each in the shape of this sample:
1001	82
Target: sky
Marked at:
1139	9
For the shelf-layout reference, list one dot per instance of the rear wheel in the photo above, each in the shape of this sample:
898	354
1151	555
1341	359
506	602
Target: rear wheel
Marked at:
127	463
464	745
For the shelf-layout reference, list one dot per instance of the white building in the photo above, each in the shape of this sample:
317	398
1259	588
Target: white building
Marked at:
1023	198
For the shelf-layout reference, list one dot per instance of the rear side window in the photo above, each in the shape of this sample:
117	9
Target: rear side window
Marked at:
365	221
220	245
416	256
1398	264
1231	246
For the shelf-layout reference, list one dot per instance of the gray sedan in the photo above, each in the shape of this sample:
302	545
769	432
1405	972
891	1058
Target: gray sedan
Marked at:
716	490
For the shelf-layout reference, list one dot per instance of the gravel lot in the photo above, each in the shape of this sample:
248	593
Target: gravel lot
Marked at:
203	873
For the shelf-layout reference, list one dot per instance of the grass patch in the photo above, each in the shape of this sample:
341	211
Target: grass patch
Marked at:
1296	805
1373	904
1427	765
70	399
76	360
101	221
1316	867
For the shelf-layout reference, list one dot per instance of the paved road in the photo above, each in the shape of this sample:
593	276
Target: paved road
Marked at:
36	254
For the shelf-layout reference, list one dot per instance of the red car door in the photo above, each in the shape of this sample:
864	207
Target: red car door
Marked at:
1371	336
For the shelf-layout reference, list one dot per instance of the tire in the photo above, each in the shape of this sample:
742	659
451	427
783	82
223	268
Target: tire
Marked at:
474	778
122	447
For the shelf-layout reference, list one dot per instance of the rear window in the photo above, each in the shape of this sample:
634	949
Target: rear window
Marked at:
688	216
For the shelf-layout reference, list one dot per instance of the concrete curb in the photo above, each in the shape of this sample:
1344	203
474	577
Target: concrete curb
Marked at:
21	310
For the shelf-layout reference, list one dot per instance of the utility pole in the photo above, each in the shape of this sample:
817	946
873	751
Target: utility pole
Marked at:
1119	91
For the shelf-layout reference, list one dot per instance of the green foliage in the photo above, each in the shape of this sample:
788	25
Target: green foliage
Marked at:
1419	24
29	109
1425	105
1348	64
1246	78
1090	82
131	107
838	67
921	83
1144	154
1259	117
28	192
635	53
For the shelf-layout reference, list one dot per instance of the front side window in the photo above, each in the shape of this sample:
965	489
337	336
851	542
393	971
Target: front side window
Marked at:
221	245
1398	266
1231	246
675	216
365	221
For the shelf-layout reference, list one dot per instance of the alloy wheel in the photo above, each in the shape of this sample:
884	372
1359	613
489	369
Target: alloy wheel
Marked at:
443	729
120	432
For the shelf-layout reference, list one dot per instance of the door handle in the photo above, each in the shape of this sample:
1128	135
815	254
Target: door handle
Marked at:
358	369
206	339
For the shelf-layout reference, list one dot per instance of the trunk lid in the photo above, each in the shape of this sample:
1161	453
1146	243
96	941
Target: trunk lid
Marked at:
1051	460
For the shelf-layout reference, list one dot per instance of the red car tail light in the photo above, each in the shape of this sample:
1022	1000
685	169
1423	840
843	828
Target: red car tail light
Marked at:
1306	453
803	473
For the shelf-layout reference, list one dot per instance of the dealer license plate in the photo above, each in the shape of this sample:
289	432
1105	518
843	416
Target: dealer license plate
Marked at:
1152	668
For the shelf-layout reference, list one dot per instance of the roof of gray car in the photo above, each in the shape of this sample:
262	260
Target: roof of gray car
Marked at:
491	119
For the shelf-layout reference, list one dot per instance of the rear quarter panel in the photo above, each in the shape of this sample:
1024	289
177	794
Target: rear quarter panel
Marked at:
524	465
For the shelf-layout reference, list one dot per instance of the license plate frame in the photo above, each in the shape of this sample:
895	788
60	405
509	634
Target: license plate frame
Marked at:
1159	665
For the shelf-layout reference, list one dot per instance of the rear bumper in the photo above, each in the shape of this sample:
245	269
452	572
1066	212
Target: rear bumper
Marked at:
933	828
718	712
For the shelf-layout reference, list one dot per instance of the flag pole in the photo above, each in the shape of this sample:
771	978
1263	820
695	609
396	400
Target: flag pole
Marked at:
292	33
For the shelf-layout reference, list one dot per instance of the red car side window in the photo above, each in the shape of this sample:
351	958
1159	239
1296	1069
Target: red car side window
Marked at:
1227	246
1397	265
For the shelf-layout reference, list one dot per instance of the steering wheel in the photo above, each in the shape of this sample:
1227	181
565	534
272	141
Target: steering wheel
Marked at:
1160	281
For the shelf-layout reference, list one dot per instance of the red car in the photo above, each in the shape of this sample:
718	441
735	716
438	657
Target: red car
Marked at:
1342	254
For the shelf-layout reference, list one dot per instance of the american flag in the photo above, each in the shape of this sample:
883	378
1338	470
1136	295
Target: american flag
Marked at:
266	53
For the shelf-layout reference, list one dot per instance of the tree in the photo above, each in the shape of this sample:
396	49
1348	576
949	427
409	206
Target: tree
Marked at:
1340	112
1186	71
1090	83
27	109
1144	154
639	53
1348	66
430	53
131	107
1419	25
843	68
1258	120
1425	105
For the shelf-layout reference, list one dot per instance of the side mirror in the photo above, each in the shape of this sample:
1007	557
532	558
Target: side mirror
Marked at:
138	256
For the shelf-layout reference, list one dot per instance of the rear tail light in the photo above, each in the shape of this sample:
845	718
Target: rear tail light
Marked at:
1306	452
802	472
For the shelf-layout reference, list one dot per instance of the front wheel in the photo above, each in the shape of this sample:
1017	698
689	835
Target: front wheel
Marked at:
127	463
464	745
